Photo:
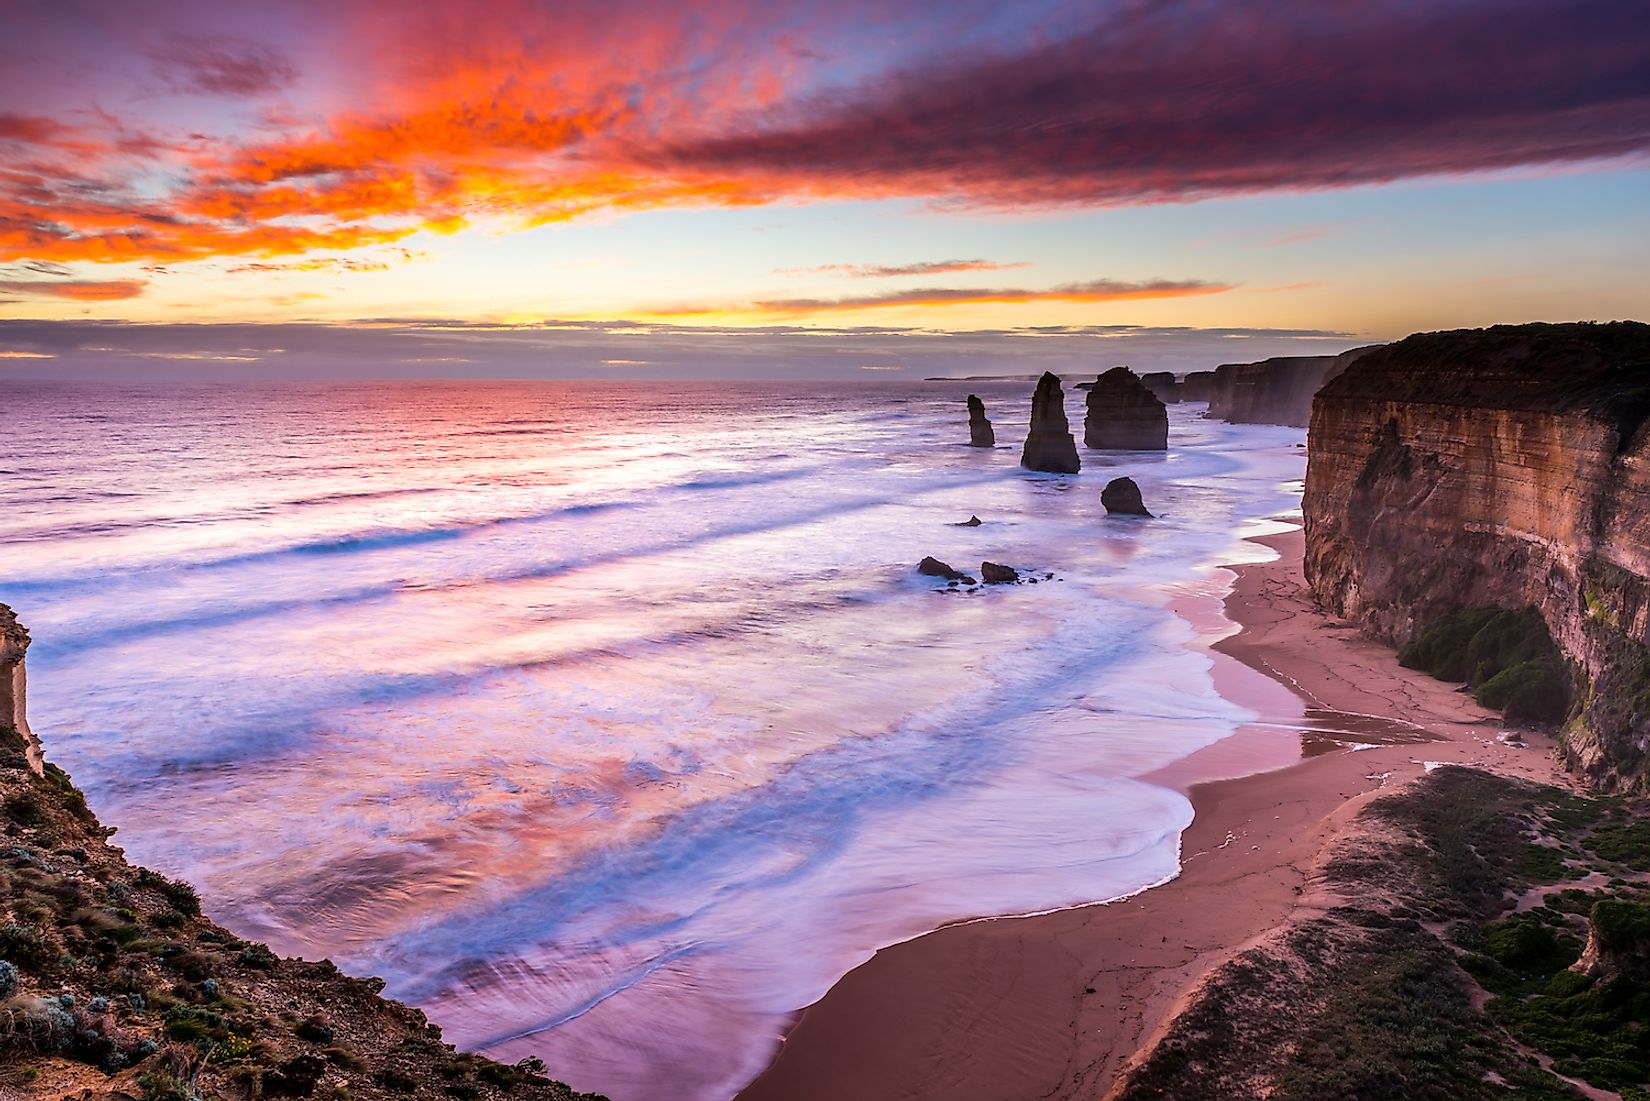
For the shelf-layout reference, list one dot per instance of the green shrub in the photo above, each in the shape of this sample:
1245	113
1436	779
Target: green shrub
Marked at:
1508	657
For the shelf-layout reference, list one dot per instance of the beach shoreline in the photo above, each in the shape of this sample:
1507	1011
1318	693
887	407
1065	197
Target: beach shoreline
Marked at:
1059	1004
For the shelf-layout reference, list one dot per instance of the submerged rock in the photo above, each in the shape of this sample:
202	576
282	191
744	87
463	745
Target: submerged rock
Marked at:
1049	444
980	433
971	522
1122	498
933	567
996	574
1124	415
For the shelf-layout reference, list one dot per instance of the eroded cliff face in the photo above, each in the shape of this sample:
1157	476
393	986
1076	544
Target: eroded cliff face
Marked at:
1274	391
1502	466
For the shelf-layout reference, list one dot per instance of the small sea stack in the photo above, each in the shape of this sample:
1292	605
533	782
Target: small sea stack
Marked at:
14	640
980	433
1049	445
1163	386
1122	498
1123	415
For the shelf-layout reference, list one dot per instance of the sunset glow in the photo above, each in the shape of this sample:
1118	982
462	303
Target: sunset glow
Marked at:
1194	165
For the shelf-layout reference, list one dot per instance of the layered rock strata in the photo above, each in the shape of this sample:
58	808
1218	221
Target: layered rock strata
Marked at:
980	433
1049	445
1506	466
1124	415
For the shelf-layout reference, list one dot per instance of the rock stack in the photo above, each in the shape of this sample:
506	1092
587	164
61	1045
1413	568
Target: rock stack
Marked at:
1123	415
14	640
1049	445
1163	386
1198	386
1122	498
979	429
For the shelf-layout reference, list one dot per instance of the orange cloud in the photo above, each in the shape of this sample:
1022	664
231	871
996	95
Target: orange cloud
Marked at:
79	290
1098	290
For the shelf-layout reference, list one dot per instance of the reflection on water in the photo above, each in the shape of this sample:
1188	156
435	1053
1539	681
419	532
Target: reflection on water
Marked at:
611	723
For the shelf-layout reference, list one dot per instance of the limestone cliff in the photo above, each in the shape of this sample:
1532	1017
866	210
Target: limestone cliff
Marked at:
1123	414
1197	386
1049	445
1164	385
1505	466
1274	391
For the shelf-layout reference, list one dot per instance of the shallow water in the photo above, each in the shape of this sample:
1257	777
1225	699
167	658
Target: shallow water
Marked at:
611	723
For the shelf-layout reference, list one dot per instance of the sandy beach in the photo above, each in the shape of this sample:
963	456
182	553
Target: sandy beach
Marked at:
1056	1005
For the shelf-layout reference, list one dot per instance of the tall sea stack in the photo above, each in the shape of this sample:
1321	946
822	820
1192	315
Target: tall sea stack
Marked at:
979	429
14	639
1124	415
1049	445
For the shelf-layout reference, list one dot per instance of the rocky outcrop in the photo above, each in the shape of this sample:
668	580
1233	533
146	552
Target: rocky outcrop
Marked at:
1618	940
971	522
1124	415
1507	466
1049	445
1163	386
1275	391
979	429
1122	498
933	567
1197	386
997	574
14	640
115	985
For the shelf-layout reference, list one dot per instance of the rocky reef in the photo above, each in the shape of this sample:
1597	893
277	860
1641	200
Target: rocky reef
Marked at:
1505	467
980	433
1124	415
114	986
1049	444
1274	391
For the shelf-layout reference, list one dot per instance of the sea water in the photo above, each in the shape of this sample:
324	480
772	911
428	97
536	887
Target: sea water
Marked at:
612	723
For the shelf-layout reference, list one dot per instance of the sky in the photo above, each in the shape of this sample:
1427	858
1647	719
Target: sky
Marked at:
653	188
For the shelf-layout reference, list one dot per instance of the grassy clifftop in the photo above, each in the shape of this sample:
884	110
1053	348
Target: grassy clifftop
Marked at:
113	984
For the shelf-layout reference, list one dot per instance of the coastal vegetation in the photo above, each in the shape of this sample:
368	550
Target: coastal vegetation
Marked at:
112	980
1464	890
1506	656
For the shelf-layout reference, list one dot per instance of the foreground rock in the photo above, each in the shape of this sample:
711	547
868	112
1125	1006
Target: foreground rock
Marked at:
14	640
1122	498
1163	386
980	433
995	574
933	567
1274	391
1124	415
114	986
1505	467
1049	444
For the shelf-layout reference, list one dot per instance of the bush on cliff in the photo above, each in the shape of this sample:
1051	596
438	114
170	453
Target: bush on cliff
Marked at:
1508	657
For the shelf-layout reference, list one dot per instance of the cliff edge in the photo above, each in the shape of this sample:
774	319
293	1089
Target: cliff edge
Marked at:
114	987
1507	466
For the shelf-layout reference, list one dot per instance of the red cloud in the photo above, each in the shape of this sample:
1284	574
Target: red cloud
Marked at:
1098	290
80	290
538	113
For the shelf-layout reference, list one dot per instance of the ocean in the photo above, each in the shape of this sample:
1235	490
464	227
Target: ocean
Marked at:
609	722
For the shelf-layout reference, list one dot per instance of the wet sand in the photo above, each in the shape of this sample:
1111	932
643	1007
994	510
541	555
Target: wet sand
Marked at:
1055	1005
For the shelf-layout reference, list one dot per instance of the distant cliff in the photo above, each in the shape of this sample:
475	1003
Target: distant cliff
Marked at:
1272	391
1506	466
